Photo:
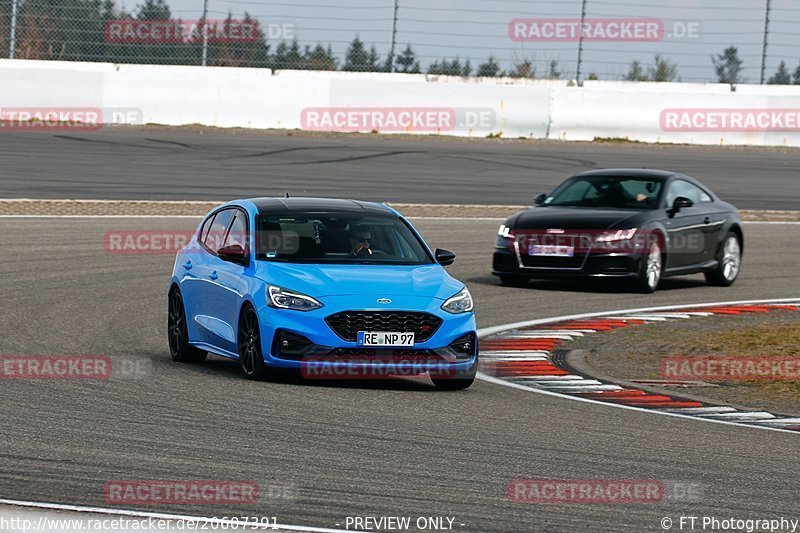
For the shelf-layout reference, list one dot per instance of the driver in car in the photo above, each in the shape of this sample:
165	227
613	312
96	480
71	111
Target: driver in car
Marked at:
641	197
360	238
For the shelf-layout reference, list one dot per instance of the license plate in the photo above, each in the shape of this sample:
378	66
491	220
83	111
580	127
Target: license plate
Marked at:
551	250
385	338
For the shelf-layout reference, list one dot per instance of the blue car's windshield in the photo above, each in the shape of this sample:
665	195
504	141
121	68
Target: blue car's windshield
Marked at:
607	191
337	238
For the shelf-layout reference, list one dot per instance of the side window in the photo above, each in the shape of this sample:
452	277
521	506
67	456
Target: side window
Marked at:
216	235
206	228
578	191
687	190
238	232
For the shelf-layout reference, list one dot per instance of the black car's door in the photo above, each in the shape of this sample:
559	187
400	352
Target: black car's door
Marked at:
714	216
689	228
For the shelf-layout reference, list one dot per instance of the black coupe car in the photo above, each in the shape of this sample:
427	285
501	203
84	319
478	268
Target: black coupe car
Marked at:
639	224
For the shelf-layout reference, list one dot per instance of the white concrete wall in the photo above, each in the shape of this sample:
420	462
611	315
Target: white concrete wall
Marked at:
261	98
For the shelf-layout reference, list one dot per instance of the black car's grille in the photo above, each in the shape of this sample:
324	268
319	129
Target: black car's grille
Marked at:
535	261
347	324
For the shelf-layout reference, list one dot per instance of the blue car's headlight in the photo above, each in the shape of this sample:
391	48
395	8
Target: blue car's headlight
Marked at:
286	299
460	303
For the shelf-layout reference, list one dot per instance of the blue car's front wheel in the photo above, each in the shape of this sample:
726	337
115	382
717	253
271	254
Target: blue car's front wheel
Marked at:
251	360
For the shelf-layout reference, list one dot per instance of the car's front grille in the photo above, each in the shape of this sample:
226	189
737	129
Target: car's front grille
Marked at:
347	324
535	261
383	355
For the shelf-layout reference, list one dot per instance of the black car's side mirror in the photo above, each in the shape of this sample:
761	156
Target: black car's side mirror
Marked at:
233	253
539	200
444	257
681	202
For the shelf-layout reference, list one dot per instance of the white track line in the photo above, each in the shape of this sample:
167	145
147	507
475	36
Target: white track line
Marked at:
568	377
159	516
481	219
527	323
702	410
794	421
744	415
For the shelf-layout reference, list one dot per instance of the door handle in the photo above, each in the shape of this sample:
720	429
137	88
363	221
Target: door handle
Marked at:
707	220
213	275
187	265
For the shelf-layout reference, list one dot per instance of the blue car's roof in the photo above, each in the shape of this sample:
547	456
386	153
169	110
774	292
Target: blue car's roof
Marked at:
320	205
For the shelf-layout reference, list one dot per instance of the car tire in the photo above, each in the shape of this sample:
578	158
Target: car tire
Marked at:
178	334
251	358
729	259
514	281
651	267
459	381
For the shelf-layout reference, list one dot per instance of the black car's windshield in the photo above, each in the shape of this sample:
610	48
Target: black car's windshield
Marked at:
337	238
607	191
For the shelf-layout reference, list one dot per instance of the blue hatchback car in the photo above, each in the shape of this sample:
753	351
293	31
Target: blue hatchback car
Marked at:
334	288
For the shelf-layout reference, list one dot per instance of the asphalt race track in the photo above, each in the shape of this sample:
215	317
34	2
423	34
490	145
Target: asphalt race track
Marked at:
395	448
184	164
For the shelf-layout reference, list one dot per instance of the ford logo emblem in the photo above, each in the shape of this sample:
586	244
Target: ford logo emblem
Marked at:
384	301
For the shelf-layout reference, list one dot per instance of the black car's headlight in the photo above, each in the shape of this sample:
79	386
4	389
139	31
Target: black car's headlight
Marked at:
616	235
286	299
505	236
460	303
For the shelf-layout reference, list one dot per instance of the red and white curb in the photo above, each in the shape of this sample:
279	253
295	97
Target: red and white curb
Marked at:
521	355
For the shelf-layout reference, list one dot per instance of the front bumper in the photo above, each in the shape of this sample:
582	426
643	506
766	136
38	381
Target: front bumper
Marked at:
318	344
617	264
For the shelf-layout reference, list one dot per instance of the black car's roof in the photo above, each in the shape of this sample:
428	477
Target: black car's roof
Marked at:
319	205
631	173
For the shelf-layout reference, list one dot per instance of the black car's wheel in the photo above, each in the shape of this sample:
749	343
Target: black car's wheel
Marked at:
650	269
455	381
729	259
177	333
251	359
514	281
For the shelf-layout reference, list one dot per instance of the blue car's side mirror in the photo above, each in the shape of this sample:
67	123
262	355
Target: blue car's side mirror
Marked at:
445	257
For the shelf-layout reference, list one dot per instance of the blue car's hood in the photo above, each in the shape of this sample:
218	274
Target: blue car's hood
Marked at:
318	280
